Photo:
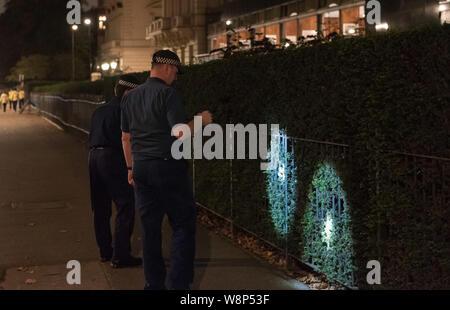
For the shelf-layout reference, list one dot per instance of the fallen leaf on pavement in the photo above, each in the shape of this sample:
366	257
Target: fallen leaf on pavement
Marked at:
30	281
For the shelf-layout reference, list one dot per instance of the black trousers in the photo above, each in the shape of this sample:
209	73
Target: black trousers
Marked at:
4	107
109	182
164	187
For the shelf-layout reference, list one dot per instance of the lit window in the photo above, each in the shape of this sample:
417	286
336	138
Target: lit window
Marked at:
362	12
330	22
290	30
259	33
273	33
444	10
308	27
352	22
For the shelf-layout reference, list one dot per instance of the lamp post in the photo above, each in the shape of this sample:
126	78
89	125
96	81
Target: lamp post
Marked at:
88	23
113	65
229	32
74	29
105	68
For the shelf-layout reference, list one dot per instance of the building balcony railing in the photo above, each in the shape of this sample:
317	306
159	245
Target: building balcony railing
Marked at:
157	26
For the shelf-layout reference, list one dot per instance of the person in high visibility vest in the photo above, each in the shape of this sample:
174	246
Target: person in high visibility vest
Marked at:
21	98
10	97
4	99
15	98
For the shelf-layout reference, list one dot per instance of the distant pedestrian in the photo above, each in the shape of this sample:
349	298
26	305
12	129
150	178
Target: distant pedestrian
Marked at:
109	182
14	98
10	97
21	98
162	184
4	99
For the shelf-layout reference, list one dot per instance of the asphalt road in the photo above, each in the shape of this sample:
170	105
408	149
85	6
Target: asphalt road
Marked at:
45	221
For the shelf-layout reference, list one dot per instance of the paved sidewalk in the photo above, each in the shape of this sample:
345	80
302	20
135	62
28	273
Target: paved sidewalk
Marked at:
45	221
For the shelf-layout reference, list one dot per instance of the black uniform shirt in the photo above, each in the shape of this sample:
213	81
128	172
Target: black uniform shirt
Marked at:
105	126
149	113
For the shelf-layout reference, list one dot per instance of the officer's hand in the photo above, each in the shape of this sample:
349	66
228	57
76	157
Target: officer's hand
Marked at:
130	178
207	117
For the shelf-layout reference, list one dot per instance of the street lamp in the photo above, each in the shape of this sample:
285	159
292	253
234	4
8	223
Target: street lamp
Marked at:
88	23
382	27
114	65
74	29
229	30
102	22
105	66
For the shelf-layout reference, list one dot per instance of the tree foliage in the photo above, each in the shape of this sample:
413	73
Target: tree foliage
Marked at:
37	27
42	67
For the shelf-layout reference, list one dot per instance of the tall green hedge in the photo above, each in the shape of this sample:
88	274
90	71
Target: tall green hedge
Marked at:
376	94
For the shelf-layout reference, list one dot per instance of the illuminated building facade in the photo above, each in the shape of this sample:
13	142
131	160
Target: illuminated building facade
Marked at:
288	20
122	35
132	30
181	25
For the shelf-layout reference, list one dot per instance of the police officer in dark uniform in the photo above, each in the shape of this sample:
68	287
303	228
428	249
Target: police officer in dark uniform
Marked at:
162	184
108	179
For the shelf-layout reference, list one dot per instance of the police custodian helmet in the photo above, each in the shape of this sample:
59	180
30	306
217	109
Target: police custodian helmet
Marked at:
167	57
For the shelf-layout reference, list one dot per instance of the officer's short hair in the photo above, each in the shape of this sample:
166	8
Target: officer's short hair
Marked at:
124	83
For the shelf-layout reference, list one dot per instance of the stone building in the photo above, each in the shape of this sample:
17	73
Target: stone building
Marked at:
135	29
181	25
281	20
122	35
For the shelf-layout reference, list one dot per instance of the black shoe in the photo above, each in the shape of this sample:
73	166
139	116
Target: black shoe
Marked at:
129	262
105	259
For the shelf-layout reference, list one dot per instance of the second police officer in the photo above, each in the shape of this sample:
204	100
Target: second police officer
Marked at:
109	181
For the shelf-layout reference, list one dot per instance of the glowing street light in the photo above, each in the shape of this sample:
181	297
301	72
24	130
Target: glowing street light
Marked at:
74	29
381	27
114	65
105	66
230	32
102	22
88	22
